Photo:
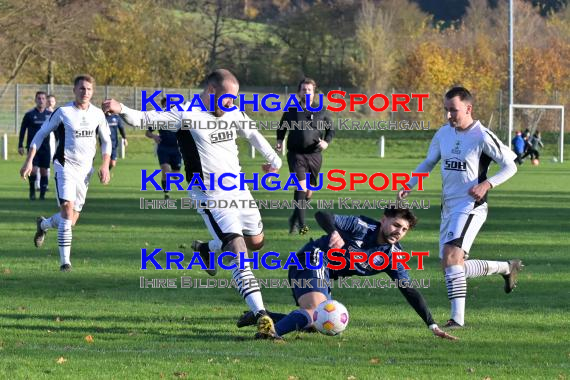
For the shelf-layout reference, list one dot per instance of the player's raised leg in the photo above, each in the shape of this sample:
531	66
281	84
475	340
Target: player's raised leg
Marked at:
508	269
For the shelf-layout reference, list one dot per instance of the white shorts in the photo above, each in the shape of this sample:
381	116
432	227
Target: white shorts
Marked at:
460	229
222	221
71	185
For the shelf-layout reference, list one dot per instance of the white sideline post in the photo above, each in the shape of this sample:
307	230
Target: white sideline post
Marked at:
381	145
5	146
122	149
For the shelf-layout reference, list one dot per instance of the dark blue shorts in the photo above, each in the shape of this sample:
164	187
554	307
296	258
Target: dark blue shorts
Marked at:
170	156
42	158
309	280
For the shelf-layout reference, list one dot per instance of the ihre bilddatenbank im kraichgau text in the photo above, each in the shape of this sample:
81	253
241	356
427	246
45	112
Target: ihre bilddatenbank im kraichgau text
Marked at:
338	180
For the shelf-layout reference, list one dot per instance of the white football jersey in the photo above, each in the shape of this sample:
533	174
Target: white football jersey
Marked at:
207	143
76	131
465	158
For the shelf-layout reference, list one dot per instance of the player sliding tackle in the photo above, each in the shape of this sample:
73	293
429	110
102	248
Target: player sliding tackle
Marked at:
350	233
207	151
466	149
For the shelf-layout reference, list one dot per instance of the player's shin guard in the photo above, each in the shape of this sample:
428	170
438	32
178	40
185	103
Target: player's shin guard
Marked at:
248	287
64	240
301	198
456	291
296	320
480	268
43	185
32	181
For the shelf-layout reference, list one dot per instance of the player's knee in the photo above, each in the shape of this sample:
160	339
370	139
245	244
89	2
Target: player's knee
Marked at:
255	243
452	254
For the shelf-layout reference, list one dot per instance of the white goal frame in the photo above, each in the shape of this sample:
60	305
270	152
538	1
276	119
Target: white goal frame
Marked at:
538	106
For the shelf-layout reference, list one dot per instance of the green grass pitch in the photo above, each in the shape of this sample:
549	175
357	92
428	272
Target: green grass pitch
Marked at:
45	315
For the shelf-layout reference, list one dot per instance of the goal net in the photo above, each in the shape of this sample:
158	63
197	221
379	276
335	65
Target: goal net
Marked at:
534	117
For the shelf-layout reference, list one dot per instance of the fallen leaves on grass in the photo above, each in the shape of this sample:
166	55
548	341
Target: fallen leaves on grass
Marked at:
61	360
89	339
374	361
181	375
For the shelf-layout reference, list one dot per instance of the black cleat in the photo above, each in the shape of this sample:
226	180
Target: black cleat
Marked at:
32	197
65	268
40	235
247	319
452	325
166	196
515	266
196	248
304	230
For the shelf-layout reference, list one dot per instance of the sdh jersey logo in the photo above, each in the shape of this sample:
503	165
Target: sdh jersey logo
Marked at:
454	164
84	133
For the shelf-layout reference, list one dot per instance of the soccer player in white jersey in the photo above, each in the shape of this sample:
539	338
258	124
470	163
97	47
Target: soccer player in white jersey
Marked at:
205	151
76	124
466	148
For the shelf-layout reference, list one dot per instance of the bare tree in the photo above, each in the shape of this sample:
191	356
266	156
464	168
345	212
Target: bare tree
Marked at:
40	31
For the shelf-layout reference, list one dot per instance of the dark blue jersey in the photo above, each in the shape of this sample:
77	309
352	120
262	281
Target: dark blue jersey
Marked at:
360	235
32	122
116	126
168	138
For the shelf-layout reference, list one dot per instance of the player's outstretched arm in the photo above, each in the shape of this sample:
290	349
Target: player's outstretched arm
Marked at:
327	223
134	117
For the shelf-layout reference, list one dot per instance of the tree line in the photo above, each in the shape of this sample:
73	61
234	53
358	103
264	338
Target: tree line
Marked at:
374	46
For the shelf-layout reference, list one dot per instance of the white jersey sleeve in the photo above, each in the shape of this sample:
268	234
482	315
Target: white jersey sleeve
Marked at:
48	126
427	165
105	135
134	117
259	142
502	155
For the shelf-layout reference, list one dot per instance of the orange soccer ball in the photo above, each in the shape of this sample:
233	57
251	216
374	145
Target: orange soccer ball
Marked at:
535	162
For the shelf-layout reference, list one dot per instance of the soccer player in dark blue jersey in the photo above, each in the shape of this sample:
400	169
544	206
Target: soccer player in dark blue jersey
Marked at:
169	156
116	127
350	233
32	122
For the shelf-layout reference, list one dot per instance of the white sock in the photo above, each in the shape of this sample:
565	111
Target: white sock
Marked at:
51	222
498	267
480	268
456	291
214	245
37	183
64	241
248	289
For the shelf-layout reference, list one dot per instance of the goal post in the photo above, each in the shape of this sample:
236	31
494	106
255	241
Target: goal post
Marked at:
512	107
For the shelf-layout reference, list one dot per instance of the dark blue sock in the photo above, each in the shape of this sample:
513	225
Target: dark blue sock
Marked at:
296	320
276	317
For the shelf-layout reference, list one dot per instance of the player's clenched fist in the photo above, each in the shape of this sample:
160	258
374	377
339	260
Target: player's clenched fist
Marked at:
111	106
